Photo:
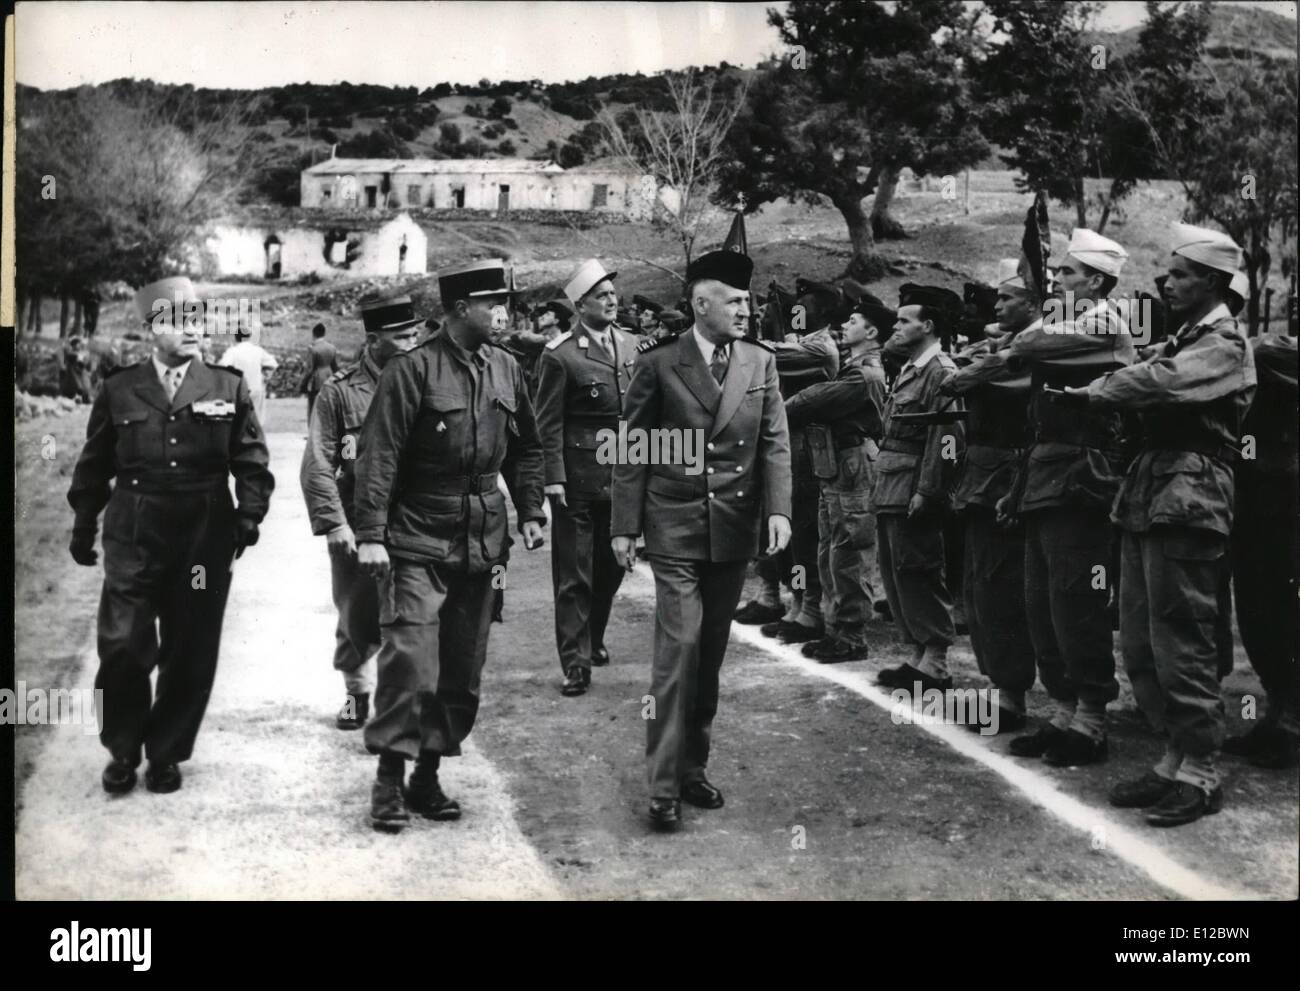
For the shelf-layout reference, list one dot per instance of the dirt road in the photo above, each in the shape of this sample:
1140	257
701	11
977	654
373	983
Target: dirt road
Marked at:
830	794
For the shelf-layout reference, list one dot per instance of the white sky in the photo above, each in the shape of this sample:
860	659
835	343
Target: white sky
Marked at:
251	45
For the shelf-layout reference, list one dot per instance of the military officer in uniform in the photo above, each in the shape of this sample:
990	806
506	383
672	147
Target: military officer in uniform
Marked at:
841	421
163	439
431	525
994	559
583	376
328	478
1063	491
1265	545
701	527
914	477
1174	512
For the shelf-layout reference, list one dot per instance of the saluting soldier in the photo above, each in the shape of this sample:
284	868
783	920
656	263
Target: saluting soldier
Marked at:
842	423
914	477
431	525
163	439
583	377
997	434
701	527
328	478
1174	512
1063	491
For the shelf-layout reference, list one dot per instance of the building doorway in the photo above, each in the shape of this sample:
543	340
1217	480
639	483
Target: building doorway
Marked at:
503	199
272	246
372	195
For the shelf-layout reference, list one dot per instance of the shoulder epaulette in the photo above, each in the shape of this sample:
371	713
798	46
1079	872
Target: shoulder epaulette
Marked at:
121	368
760	344
347	371
552	345
655	342
224	368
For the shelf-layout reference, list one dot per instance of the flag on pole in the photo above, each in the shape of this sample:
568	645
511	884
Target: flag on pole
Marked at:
1035	246
736	239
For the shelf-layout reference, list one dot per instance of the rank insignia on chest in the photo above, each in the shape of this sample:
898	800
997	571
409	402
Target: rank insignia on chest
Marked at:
595	392
442	425
214	409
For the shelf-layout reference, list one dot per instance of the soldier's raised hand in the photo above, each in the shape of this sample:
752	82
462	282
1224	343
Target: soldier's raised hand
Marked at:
778	534
83	547
342	542
372	558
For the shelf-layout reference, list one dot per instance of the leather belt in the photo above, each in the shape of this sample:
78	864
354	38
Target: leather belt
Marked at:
455	484
165	483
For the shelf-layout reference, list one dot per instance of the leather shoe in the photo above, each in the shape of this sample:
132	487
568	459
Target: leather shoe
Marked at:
773	628
665	813
906	677
162	778
1185	803
576	681
1035	744
753	613
1075	749
1250	742
599	657
798	633
701	794
355	711
118	778
832	650
1141	793
1008	722
387	809
1278	752
425	795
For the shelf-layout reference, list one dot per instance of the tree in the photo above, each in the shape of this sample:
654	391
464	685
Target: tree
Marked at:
118	187
1048	94
499	107
682	149
863	91
1225	128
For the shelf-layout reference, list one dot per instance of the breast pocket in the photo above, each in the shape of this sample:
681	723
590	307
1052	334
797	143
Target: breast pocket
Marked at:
448	419
132	428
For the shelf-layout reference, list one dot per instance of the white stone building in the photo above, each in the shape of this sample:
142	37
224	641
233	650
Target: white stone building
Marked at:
496	184
391	246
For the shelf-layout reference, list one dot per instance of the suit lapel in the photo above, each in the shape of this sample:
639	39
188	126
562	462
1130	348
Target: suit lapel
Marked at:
695	373
196	384
149	388
740	371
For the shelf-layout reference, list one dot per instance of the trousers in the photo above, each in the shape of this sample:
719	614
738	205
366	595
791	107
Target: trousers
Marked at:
694	603
585	578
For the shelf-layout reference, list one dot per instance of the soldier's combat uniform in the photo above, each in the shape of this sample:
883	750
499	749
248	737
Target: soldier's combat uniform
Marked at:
917	459
1063	490
170	532
997	434
812	359
580	394
1265	545
442	423
1174	512
328	477
842	422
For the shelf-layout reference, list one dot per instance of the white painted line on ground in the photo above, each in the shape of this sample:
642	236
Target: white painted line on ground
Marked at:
1116	837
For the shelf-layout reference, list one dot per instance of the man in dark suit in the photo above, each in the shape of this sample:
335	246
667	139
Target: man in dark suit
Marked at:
713	391
167	433
582	378
322	362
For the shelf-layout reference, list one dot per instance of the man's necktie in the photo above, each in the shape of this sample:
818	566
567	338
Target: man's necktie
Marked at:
173	378
718	364
604	346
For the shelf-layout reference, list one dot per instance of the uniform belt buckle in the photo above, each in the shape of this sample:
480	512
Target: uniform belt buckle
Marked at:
474	483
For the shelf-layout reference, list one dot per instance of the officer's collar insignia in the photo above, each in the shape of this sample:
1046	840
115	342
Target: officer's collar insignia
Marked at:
582	342
214	408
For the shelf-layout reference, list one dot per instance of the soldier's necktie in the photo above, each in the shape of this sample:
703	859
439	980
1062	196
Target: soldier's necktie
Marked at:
718	364
603	341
